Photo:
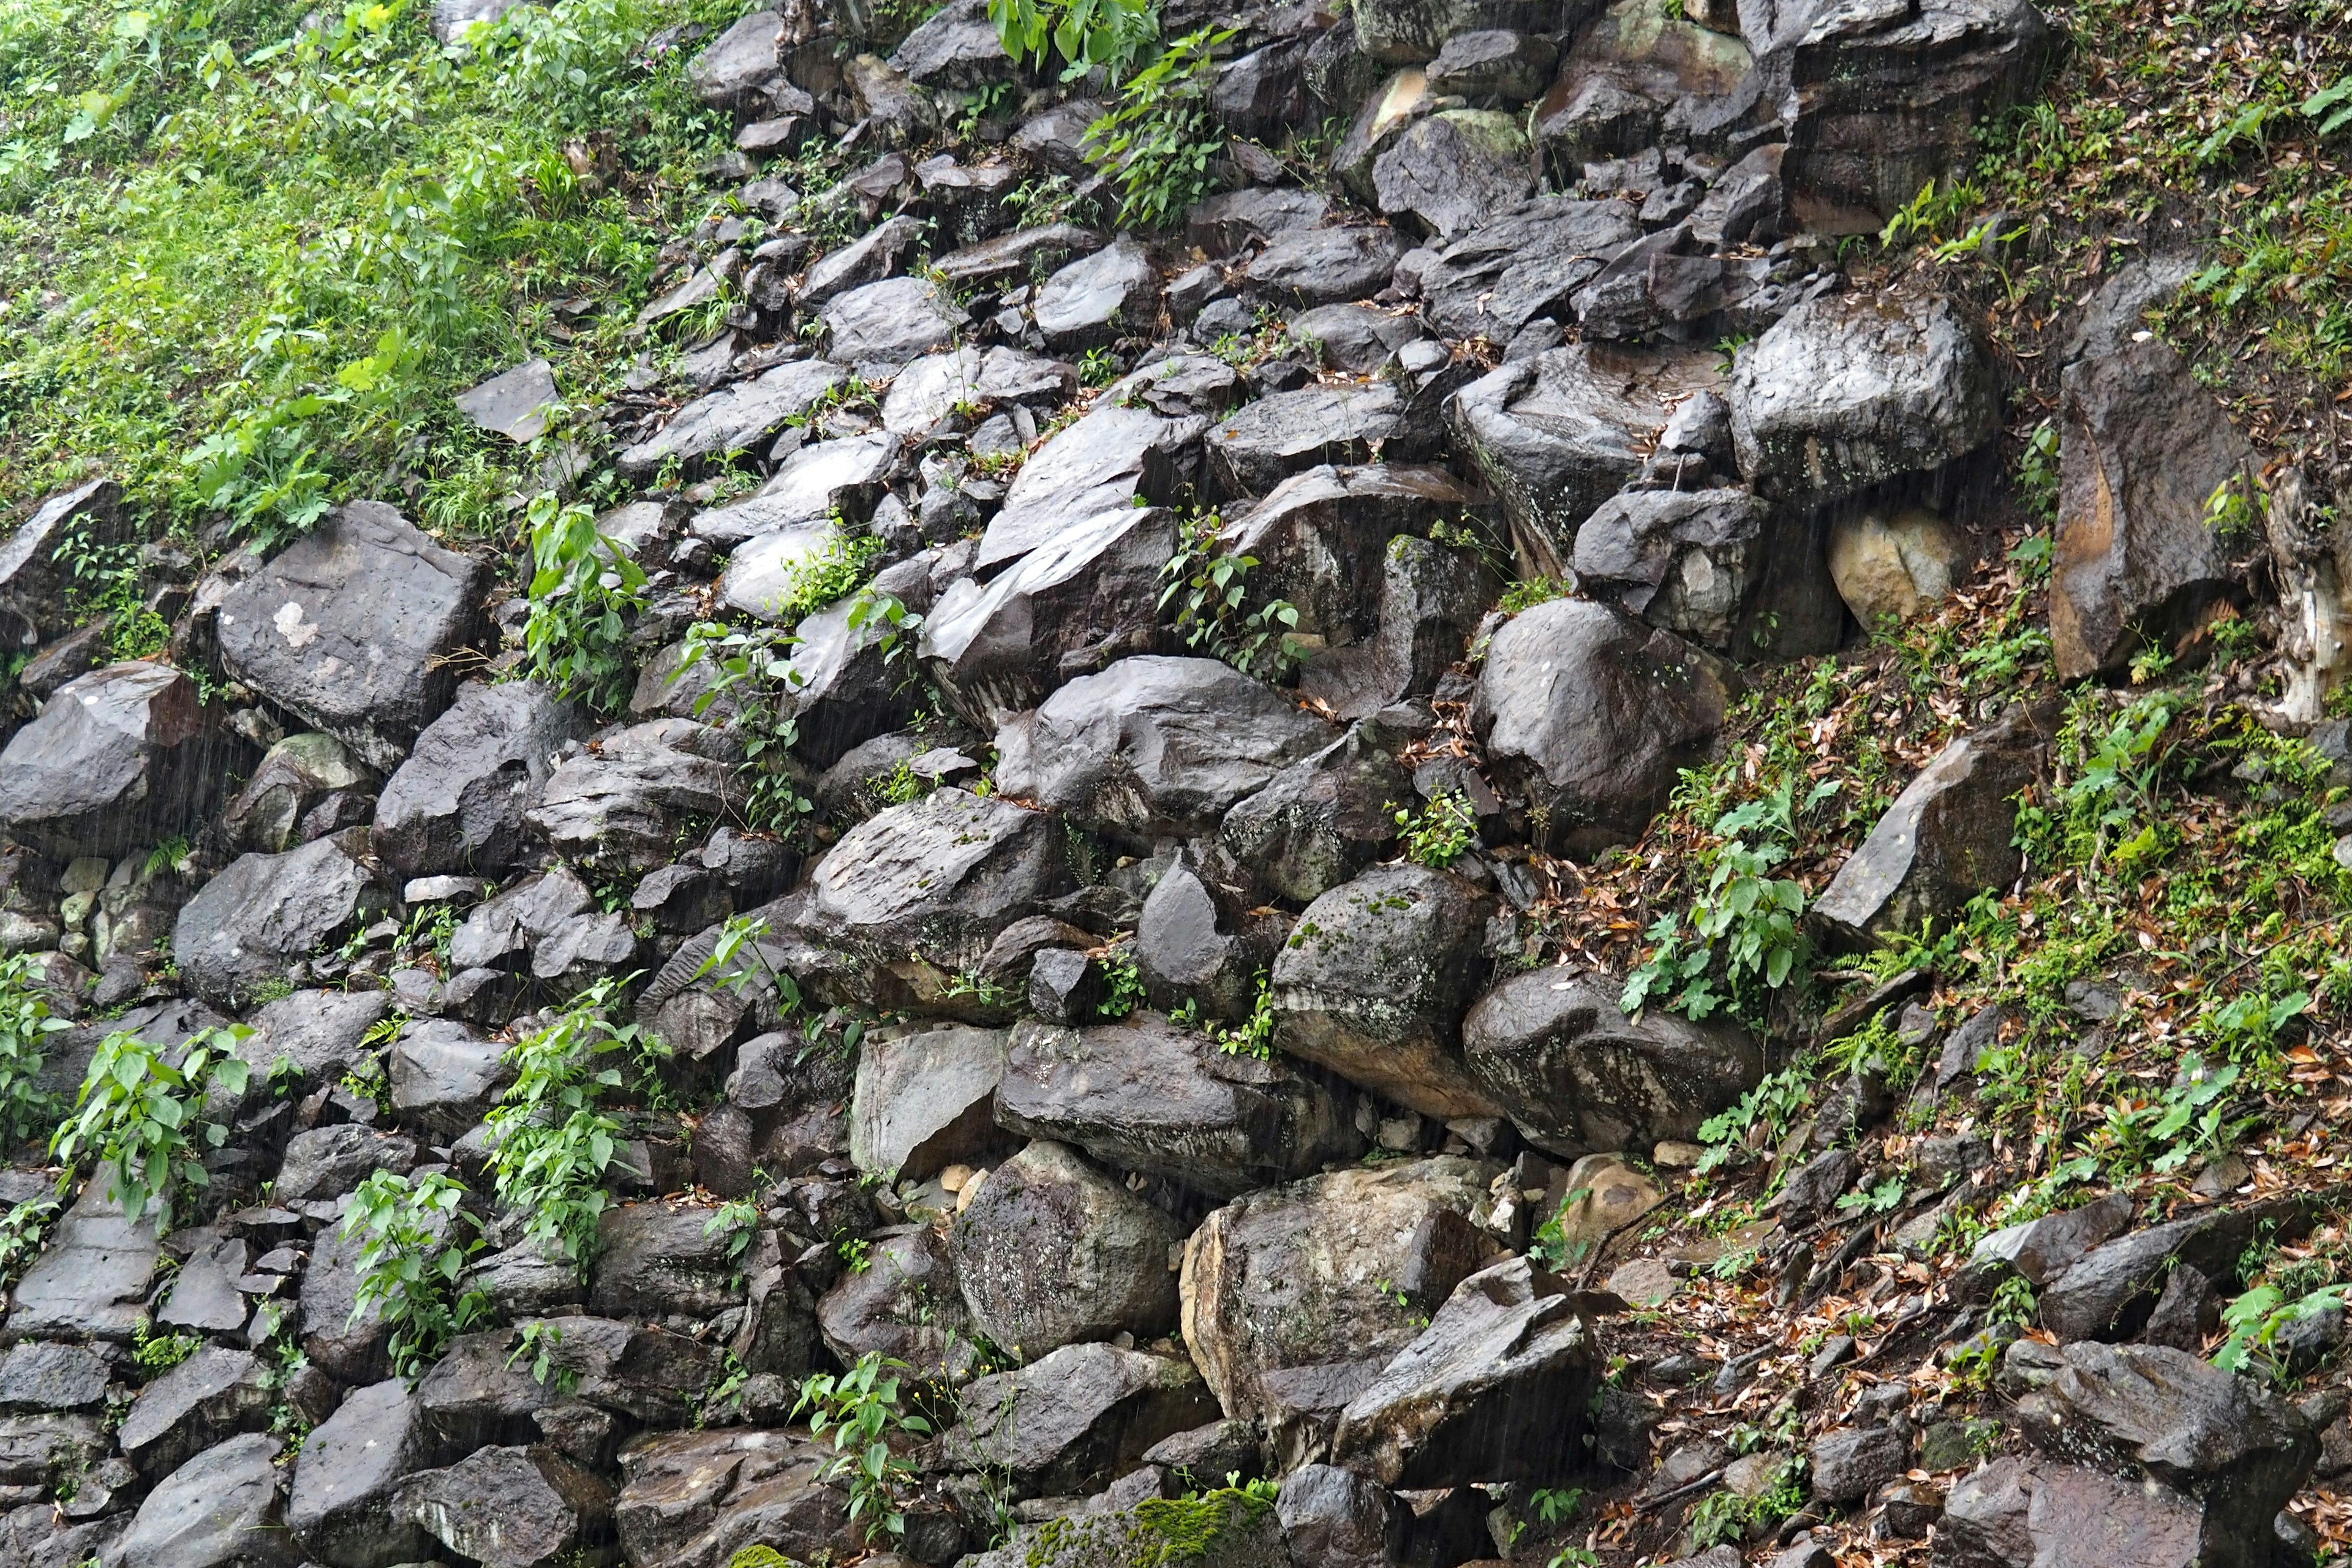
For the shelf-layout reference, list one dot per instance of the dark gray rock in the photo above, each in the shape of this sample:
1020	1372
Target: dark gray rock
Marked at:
1334	1516
956	49
1374	979
734	418
1522	264
264	912
1117	1527
657	1261
36	1375
1556	437
445	1077
1112	292
925	1100
204	1294
1323	819
626	799
1718	567
39	1452
1749	202
2024	1508
341	1509
1636	80
1577	1076
1946	838
1879	103
938	879
2143	448
352	627
1260	95
1231	221
1406	32
1321	538
1431	598
514	403
1154	746
930	389
1358	339
869	259
890	322
91	1280
1848	390
1070	607
511	1508
1191	951
1282	1310
456	803
695	1498
215	1395
33	597
1144	1096
1099	464
273	812
2042	1250
1452	170
1495	1389
349	1345
735	69
1068	1423
2237	1449
124	755
903	1305
1252	450
1817	1183
223	1508
1325	266
1493	63
1012	257
1850	1464
1591	716
1051	1251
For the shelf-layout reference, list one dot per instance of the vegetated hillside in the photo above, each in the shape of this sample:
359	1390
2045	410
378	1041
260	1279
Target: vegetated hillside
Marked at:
1077	785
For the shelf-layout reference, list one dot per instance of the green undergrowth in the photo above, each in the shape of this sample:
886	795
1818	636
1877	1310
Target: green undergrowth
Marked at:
248	250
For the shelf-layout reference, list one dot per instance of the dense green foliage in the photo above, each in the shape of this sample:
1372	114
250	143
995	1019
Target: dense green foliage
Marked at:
582	586
144	1116
1158	141
25	1022
419	1240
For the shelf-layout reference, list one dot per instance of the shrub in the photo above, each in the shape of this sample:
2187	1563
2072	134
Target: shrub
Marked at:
141	1116
1157	142
1208	585
754	665
25	1023
860	1408
419	1239
1440	833
582	587
1112	33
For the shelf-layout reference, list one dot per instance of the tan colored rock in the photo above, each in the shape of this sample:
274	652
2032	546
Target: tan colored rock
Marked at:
1901	565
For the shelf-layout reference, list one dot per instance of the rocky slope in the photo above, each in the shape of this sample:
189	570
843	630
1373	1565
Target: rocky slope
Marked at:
1477	855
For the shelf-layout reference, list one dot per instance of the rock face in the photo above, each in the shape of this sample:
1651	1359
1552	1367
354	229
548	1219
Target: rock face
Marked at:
457	802
2030	1509
246	925
91	1280
925	1100
1493	1389
734	417
1291	1294
1718	567
1577	1076
627	798
1846	391
223	1508
1093	299
510	1508
124	755
1592	716
32	584
2143	450
341	1509
352	627
1322	819
1051	1251
1946	838
1145	1096
1152	746
1374	982
697	1499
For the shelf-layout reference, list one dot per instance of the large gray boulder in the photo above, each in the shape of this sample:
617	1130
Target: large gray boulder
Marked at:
444	1076
511	1508
33	599
125	755
214	1394
1143	1095
1254	448
1238	1533
1154	746
903	1305
1718	567
735	69
1523	263
1450	171
923	889
1591	716
925	1100
1099	464
1433	597
1879	101
456	803
658	1262
1496	1389
1195	949
930	389
352	627
734	418
626	799
957	49
342	1510
1050	1251
823	477
1557	437
1326	266
307	784
1340	1518
1639	78
1374	979
2143	449
2109	1291
1847	390
1296	1298
91	1280
1324	819
694	1499
323	1033
1321	538
1066	1424
264	912
1947	838
1407	32
223	1508
2026	1510
2237	1449
1576	1075
1099	297
891	323
1068	608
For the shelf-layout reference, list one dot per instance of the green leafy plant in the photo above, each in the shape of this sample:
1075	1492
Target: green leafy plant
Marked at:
2251	1322
1157	142
1254	1036
1528	591
141	1116
738	1221
552	1143
1112	33
23	1231
1550	1248
1208	587
583	587
860	1409
153	1353
1440	833
1122	983
25	1022
753	664
419	1238
539	1343
1763	1115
